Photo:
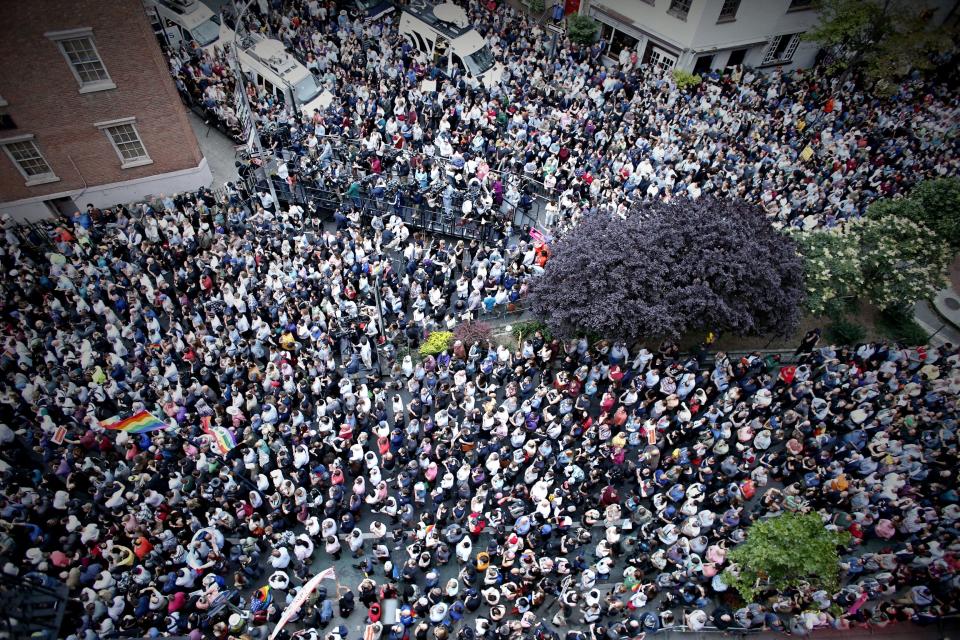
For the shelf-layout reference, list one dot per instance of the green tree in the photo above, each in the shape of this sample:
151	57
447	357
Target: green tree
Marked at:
932	203
885	39
784	552
582	29
833	270
903	262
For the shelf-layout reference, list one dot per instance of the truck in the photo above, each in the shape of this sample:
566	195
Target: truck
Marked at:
266	63
184	21
442	32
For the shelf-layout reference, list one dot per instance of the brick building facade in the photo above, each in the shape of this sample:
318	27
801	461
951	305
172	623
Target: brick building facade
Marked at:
88	111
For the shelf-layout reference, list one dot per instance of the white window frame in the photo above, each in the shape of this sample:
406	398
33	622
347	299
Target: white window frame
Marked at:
59	37
680	12
124	163
787	56
30	181
662	59
730	16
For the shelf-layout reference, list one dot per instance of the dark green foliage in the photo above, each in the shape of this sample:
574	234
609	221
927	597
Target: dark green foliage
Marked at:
845	331
783	552
582	29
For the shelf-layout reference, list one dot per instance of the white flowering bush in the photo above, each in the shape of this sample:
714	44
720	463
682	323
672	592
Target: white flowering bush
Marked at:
833	269
903	262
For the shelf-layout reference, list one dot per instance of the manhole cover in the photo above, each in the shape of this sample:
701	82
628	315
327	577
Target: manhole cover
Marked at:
951	303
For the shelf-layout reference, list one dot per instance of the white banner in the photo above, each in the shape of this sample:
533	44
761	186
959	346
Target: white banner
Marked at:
305	592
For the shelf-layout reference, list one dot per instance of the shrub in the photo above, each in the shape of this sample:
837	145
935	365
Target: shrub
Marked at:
844	331
582	29
527	328
685	79
470	332
898	324
537	7
436	342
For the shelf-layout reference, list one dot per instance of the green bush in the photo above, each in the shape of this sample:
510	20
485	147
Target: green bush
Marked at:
685	79
582	29
527	328
436	342
537	7
898	324
844	331
785	552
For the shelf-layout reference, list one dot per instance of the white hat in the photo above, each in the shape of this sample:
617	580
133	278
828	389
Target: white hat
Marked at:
279	580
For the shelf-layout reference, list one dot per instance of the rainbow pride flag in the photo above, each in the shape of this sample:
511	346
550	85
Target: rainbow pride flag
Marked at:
223	440
141	422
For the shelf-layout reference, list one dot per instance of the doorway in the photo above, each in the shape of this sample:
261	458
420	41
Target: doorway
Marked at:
62	206
737	56
704	65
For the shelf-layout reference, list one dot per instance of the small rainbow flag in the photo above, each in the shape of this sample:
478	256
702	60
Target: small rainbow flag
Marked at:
223	440
141	422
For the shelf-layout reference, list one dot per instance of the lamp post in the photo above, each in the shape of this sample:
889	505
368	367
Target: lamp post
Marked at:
238	73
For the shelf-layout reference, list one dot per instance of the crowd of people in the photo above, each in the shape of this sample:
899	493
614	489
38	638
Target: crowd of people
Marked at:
495	490
586	132
499	489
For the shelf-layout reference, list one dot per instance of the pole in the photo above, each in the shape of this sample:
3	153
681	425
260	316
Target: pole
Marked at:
382	328
238	72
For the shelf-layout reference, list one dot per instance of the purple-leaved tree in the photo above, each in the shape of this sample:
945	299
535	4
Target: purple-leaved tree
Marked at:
669	269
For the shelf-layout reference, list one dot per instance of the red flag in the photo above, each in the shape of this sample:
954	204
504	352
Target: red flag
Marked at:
787	373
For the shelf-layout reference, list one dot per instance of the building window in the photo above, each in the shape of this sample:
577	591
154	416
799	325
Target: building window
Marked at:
781	49
621	41
661	59
680	8
126	142
26	157
728	12
800	5
79	50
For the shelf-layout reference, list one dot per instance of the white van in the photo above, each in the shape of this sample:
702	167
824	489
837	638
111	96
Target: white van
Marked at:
268	65
183	21
443	33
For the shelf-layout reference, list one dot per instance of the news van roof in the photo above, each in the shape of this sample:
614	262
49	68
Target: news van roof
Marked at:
271	53
191	12
447	18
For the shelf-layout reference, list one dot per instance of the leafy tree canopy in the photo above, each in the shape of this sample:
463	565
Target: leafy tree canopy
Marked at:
667	269
903	262
932	203
833	271
886	39
783	553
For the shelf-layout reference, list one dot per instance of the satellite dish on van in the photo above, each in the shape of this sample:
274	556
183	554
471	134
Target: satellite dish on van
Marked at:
449	12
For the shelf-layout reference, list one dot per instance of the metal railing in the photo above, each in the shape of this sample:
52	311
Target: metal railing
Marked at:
442	220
